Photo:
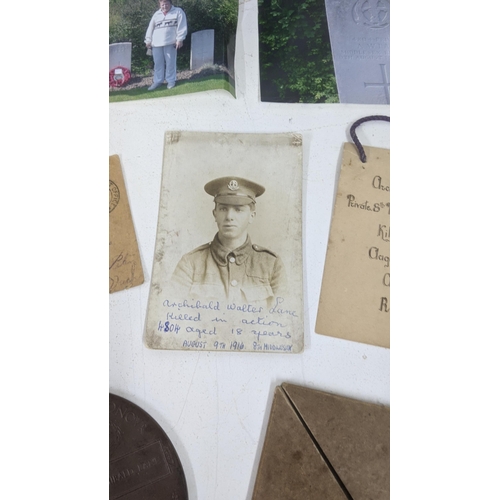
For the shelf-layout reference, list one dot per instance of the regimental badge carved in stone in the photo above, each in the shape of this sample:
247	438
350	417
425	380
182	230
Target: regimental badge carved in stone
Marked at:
373	14
114	196
233	185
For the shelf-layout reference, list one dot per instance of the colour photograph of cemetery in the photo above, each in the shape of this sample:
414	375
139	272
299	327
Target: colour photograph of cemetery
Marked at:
325	51
204	62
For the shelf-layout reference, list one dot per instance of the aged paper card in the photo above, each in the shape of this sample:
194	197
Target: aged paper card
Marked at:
227	271
354	301
125	269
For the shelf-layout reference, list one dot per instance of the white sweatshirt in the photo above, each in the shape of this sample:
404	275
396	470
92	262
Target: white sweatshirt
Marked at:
166	29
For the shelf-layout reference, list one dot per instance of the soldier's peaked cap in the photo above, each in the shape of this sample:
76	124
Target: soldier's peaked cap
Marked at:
234	190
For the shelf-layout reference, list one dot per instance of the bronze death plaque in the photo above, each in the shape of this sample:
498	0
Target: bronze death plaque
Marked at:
143	462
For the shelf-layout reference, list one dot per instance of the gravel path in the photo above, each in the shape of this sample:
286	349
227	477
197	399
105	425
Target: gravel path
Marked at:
145	81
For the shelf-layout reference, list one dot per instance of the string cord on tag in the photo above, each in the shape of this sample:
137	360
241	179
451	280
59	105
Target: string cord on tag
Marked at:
352	131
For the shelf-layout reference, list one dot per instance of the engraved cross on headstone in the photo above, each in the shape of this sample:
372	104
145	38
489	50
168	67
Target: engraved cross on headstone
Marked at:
385	82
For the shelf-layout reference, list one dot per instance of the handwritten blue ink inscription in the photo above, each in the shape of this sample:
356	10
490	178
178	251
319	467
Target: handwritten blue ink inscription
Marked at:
168	327
212	325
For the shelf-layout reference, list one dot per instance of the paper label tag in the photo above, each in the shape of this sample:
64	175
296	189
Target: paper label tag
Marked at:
125	269
354	301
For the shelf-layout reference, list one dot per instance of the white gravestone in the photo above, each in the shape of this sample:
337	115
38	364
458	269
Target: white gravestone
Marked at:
120	54
359	36
202	48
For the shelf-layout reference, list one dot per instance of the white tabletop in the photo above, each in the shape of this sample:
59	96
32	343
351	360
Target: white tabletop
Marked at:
215	406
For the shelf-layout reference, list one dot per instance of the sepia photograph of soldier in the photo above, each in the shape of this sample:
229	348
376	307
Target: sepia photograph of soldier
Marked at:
228	268
231	266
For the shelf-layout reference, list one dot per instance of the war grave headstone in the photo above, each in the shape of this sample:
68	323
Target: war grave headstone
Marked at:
360	39
202	48
120	54
120	63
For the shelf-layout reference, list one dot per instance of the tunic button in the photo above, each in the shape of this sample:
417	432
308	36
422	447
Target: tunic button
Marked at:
234	283
232	259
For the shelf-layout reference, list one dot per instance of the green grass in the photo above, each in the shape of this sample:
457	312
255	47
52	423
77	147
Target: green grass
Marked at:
183	87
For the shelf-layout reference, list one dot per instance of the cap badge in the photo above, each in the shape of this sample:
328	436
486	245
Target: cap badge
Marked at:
233	185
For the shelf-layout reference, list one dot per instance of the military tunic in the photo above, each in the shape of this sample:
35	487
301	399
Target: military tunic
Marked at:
249	273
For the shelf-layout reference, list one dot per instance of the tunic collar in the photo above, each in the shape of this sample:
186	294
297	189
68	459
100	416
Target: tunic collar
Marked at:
221	254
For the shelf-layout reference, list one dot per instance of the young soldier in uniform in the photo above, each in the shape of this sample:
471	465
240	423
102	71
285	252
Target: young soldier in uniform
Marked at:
231	266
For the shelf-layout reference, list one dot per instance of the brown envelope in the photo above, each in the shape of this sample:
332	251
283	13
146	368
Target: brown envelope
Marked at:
354	301
321	446
125	268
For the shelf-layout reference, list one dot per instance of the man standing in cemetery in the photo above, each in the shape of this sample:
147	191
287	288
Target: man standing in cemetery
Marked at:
165	34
